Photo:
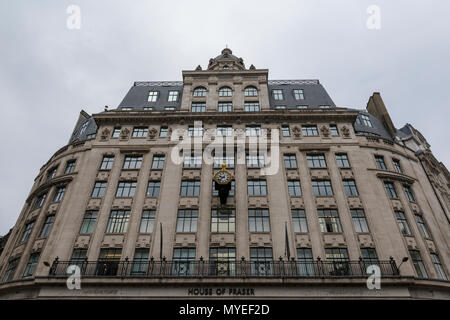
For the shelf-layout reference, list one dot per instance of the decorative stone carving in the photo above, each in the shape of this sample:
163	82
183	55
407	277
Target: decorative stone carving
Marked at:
297	132
325	131
345	131
252	67
199	68
124	133
152	133
105	134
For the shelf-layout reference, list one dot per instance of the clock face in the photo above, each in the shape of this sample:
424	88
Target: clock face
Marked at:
223	177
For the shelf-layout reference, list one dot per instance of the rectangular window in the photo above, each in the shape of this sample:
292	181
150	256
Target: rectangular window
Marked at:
255	161
26	234
163	132
132	162
290	161
422	227
31	265
187	220
116	132
305	262
390	189
277	94
152	96
397	166
252	131
47	226
126	189
418	264
322	188
409	193
299	220
369	256
380	162
70	166
215	192
140	260
40	200
107	163
329	220
294	188
437	264
183	261
192	161
198	107
118	221
140	132
153	188
261	260
350	187
89	220
99	189
51	173
302	107
257	187
147	221
285	131
223	220
316	160
359	220
219	160
403	223
173	96
225	107
258	220
169	108
310	130
224	131
108	261
59	194
334	130
298	94
11	269
158	162
79	256
223	261
251	106
342	160
195	131
339	257
190	188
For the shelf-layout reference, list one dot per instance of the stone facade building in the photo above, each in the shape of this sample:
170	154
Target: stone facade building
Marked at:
351	195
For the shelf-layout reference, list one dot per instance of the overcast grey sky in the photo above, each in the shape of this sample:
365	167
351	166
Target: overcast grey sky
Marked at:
48	73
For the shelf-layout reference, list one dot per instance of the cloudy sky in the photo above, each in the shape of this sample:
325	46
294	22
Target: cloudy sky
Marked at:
48	73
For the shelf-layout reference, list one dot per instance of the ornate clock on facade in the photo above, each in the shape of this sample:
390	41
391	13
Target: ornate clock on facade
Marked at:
222	179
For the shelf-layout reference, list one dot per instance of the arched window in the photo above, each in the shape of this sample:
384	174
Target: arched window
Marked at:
225	92
226	67
251	92
200	92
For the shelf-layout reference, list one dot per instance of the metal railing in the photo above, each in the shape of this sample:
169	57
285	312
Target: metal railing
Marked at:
224	269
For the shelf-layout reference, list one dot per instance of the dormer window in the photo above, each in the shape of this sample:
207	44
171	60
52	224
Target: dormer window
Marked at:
251	92
277	94
366	121
153	96
226	68
298	94
173	96
225	92
200	92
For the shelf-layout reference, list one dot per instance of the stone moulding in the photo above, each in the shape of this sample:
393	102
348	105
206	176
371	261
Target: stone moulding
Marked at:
49	184
395	176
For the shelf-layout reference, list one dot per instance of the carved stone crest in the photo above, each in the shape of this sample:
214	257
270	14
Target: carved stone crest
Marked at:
296	132
105	134
345	131
152	133
325	131
124	133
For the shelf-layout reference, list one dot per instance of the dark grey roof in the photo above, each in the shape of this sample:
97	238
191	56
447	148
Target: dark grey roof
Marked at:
404	132
314	93
377	128
84	130
137	96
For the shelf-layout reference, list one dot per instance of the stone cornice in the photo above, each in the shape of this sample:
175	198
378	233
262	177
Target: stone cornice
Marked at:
269	116
48	184
390	175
